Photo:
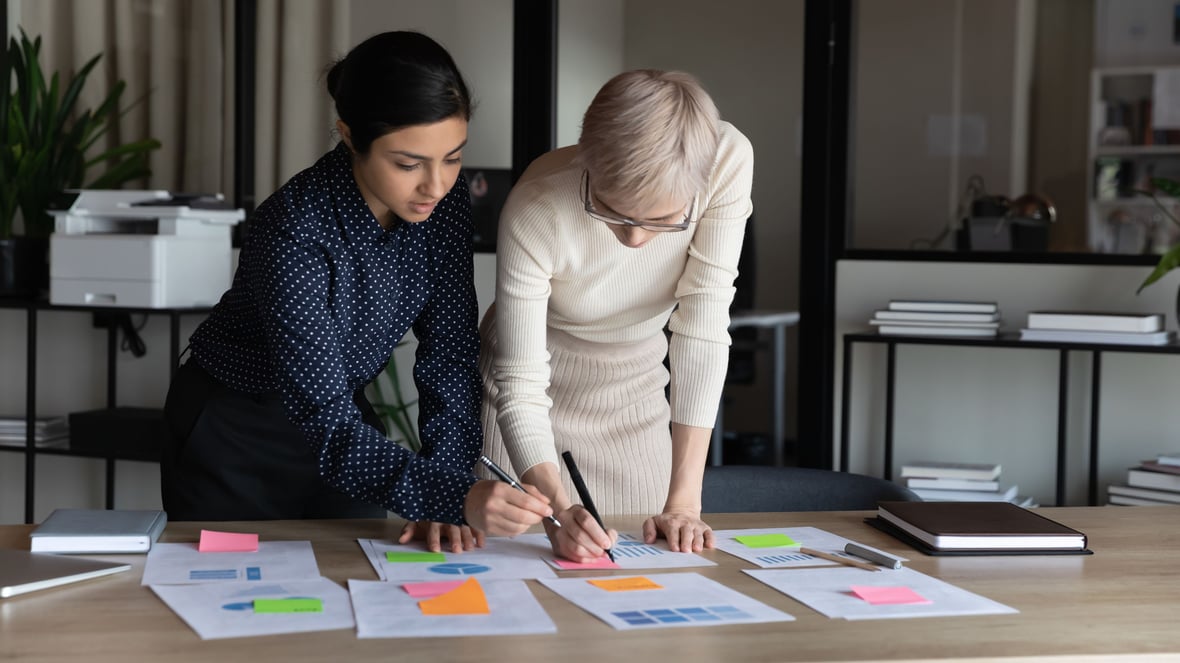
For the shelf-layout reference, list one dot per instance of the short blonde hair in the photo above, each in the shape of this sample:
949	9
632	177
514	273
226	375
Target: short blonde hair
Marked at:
648	136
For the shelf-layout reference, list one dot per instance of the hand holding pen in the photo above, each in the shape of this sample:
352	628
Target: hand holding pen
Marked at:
584	494
507	478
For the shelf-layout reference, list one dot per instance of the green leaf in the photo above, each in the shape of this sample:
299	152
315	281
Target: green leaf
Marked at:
45	138
1168	186
1167	263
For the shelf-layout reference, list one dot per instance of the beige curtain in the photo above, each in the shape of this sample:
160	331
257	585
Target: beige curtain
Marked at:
294	118
176	57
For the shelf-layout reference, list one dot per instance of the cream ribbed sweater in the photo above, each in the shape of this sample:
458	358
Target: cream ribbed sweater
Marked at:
558	267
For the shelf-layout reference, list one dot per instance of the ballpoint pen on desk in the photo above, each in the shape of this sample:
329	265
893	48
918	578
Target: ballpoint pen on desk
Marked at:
873	555
584	494
839	560
506	478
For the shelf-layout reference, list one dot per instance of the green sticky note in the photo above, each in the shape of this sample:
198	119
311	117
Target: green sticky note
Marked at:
766	540
398	556
288	605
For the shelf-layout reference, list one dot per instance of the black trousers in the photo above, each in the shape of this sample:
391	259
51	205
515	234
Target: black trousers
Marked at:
236	456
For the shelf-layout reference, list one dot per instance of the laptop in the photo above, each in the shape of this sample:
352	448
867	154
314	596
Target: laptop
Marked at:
22	571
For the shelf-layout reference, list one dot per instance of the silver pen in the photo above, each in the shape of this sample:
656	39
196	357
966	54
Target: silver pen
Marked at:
873	555
506	478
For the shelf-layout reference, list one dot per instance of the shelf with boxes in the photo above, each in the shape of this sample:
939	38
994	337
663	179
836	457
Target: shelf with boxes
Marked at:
1134	136
1006	341
112	433
114	253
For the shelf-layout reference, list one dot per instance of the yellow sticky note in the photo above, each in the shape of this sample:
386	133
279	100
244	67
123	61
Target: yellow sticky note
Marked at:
777	540
624	584
467	599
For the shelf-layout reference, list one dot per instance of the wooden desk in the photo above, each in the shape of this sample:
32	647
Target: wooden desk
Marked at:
1123	600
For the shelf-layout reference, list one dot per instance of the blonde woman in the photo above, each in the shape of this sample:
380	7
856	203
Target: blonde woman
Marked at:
602	246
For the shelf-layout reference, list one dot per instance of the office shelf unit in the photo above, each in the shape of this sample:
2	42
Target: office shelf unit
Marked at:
1127	146
32	308
1009	340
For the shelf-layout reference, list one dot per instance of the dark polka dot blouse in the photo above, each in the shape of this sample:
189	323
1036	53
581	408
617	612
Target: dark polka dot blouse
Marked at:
321	296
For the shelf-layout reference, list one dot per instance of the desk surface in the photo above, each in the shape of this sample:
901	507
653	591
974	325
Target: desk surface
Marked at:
1124	599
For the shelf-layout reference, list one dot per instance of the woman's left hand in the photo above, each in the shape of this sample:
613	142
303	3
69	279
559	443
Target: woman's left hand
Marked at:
461	537
684	530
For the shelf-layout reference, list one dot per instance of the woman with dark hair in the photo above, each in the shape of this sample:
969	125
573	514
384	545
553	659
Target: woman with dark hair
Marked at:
267	417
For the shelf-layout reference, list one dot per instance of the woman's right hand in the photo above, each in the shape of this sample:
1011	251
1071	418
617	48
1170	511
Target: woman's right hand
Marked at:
497	509
580	538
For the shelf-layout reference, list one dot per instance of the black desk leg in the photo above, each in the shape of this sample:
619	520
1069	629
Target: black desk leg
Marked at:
845	391
1062	400
890	379
1095	399
30	411
110	483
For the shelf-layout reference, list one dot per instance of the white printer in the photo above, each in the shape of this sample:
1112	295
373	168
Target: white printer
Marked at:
142	249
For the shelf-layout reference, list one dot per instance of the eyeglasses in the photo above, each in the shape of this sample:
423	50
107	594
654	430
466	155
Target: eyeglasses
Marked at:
624	221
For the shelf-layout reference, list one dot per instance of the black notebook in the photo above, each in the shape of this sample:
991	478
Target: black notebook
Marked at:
976	528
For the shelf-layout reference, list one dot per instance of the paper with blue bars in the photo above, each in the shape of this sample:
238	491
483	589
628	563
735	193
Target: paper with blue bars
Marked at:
275	561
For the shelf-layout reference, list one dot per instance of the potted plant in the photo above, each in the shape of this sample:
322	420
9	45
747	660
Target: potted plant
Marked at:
1171	259
46	147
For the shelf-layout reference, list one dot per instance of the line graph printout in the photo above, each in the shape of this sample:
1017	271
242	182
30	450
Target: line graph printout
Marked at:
632	553
757	546
662	600
501	558
275	561
228	610
388	610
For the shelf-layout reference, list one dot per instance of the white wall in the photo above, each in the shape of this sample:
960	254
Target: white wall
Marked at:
589	52
749	56
1134	32
1000	405
478	34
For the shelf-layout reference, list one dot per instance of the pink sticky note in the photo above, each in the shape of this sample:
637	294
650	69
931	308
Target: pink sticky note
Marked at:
889	595
425	590
214	541
600	563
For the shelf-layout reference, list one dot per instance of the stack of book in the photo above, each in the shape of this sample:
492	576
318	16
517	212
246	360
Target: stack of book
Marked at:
937	318
1097	327
1153	482
48	432
960	482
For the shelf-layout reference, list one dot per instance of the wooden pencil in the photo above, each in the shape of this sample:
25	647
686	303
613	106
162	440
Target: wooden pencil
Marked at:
840	560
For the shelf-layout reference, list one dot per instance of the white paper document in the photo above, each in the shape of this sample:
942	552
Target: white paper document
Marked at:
275	561
227	610
833	592
388	610
632	553
661	600
500	558
783	556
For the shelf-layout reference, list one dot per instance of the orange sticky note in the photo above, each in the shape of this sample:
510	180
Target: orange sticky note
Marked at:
467	599
425	590
600	563
624	584
214	541
889	595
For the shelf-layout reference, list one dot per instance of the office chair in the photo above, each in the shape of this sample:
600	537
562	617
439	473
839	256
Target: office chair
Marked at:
750	488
